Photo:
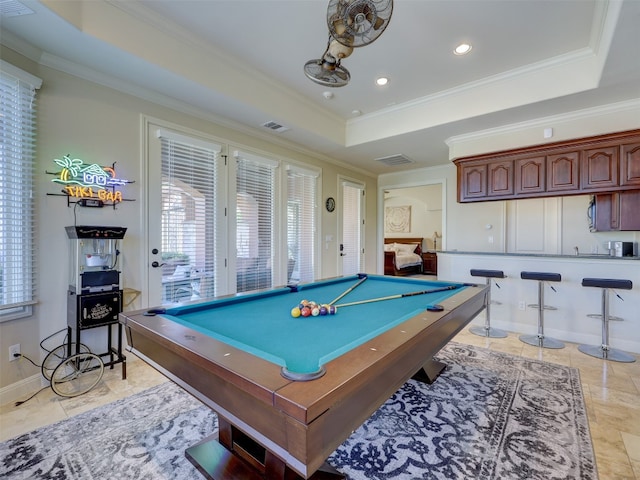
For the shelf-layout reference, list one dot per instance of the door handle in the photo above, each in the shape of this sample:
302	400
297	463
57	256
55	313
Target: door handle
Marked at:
155	264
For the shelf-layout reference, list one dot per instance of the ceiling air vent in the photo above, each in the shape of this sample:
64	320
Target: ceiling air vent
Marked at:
395	160
276	127
13	8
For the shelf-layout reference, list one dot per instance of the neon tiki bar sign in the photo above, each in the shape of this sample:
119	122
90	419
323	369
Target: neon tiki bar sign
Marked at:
84	180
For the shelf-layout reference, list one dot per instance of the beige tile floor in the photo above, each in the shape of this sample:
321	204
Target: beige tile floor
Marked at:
611	392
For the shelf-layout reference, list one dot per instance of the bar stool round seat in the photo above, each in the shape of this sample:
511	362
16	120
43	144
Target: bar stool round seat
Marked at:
487	330
604	351
540	340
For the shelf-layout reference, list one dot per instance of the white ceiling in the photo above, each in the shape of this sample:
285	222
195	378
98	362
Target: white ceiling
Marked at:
240	62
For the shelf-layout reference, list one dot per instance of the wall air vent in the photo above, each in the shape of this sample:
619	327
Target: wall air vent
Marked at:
276	127
395	160
13	8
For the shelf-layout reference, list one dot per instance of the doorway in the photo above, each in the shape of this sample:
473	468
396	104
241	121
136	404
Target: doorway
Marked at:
426	205
352	228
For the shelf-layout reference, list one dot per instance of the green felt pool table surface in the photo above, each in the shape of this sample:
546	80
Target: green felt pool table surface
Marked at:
262	324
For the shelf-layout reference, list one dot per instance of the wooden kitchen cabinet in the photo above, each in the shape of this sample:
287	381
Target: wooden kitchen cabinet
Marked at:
500	178
486	180
530	175
630	164
618	211
472	181
599	168
601	164
562	172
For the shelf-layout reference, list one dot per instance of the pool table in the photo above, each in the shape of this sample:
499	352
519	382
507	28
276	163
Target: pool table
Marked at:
289	390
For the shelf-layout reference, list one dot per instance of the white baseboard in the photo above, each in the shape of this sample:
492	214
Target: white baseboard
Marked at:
21	390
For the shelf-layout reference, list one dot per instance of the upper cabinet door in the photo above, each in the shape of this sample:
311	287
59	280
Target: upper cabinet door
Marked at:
472	182
500	178
530	175
599	168
562	172
630	164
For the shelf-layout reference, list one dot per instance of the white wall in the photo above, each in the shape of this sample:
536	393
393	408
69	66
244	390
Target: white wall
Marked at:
100	125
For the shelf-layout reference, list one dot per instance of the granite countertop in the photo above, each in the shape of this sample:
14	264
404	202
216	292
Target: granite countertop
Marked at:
586	256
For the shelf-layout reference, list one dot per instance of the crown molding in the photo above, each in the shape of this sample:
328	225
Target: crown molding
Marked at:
99	78
628	105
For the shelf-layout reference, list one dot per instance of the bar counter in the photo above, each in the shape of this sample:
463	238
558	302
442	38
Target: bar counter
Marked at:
573	301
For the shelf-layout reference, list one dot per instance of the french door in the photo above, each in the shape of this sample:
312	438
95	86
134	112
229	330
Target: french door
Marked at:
220	219
186	215
352	228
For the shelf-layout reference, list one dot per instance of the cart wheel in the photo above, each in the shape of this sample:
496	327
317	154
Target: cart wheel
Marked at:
77	374
57	355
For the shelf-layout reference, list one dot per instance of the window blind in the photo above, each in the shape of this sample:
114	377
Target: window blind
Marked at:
17	159
192	246
301	224
351	228
255	190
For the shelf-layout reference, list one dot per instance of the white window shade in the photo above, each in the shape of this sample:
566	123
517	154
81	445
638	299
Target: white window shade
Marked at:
17	145
301	224
351	228
192	245
255	221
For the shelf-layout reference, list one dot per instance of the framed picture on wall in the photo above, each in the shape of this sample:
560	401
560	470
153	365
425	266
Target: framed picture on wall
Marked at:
397	219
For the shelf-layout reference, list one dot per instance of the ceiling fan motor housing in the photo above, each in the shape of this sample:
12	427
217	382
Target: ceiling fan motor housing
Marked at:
357	23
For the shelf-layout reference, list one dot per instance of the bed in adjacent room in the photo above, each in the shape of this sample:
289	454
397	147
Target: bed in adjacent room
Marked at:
402	256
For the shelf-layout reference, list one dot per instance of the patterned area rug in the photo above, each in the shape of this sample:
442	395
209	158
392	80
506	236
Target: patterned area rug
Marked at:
488	416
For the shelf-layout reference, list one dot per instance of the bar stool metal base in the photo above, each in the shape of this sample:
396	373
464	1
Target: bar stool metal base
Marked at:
536	306
606	353
599	317
538	341
488	332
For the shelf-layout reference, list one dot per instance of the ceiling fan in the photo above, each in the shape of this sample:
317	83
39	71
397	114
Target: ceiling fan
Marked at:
352	24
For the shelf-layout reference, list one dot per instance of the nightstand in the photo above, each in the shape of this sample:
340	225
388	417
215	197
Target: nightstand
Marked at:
429	263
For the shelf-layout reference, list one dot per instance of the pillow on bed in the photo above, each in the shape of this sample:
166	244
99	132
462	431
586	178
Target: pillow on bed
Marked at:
389	247
406	247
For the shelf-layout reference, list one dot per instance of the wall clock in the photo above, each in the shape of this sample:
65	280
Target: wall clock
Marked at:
330	204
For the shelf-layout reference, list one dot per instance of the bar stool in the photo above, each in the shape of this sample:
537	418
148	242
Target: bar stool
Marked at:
604	351
487	330
540	340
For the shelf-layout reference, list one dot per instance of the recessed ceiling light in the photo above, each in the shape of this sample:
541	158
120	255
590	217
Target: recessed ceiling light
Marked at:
382	81
462	49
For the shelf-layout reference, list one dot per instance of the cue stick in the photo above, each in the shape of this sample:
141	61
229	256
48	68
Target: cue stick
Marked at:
349	290
399	295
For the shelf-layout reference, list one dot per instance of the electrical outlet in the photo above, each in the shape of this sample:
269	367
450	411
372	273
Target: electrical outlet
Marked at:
13	351
522	306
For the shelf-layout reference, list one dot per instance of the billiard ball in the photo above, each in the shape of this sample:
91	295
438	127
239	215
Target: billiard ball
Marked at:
323	310
305	311
295	312
315	311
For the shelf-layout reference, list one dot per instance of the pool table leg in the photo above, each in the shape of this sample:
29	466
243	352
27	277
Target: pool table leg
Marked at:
429	371
232	454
